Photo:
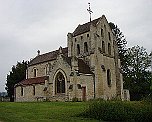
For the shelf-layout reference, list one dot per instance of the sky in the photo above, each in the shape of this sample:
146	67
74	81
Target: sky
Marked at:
30	25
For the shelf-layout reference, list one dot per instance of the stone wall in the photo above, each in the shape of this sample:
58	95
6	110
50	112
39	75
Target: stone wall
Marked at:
102	61
28	93
42	69
78	82
97	58
99	61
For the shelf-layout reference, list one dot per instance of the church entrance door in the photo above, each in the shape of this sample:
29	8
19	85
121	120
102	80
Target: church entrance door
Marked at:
84	93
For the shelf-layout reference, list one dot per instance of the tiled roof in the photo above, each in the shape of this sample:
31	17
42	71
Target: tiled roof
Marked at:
48	56
31	81
84	28
83	67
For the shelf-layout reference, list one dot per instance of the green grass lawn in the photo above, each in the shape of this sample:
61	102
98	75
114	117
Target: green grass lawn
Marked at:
42	112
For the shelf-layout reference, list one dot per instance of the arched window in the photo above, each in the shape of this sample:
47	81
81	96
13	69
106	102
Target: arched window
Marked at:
87	35
33	90
60	83
103	47
104	27
105	31
109	49
108	77
78	49
21	91
35	72
109	36
85	47
46	69
101	32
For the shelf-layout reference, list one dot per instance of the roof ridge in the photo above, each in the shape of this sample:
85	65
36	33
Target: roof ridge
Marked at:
91	21
84	27
52	51
47	56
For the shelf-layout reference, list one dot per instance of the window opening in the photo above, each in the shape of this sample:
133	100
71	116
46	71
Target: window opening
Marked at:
33	90
103	47
108	77
87	35
78	49
101	32
35	73
21	91
85	47
109	36
109	49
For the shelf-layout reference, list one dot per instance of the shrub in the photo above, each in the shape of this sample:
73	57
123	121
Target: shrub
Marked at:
118	111
148	99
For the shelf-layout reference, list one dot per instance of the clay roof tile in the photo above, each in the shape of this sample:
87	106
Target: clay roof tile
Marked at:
31	81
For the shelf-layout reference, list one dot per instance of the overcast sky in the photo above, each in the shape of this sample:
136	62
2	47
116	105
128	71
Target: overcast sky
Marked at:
30	25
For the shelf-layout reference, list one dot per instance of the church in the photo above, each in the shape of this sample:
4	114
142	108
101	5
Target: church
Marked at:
88	68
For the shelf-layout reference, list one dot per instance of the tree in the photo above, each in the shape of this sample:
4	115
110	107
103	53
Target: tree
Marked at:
17	74
120	40
135	65
151	70
137	77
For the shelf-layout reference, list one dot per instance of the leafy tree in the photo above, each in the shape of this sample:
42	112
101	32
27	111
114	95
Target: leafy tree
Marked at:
137	77
17	74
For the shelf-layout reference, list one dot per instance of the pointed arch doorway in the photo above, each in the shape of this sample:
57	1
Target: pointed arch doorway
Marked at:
59	83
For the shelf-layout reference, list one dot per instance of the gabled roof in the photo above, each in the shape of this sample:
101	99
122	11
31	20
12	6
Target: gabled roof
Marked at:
48	56
85	27
31	81
83	67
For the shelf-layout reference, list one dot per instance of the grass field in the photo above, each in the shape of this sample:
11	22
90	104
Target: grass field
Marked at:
42	112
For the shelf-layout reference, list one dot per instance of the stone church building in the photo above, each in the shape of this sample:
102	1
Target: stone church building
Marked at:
87	68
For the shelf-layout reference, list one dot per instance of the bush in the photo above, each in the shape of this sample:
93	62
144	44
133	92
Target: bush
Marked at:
118	111
148	98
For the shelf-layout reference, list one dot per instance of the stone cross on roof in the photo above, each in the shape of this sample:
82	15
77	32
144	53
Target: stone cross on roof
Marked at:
90	11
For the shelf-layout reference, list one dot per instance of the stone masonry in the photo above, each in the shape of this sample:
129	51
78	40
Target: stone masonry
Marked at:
87	68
